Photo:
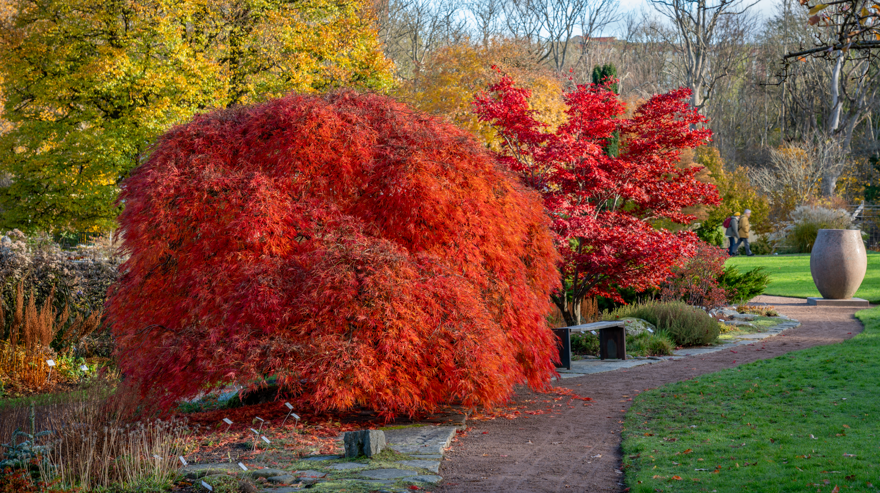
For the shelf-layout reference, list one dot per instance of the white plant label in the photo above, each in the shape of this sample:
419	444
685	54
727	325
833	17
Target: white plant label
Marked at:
651	331
227	421
84	368
50	362
261	419
255	431
265	439
156	457
183	461
207	486
593	332
242	466
294	416
288	406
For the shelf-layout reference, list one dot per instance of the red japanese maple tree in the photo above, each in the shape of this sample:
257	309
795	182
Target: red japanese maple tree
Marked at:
604	207
360	252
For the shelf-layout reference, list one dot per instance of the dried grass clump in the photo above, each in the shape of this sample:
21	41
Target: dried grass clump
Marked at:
94	445
32	329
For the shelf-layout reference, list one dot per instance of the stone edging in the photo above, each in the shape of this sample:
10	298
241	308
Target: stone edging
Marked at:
418	451
587	367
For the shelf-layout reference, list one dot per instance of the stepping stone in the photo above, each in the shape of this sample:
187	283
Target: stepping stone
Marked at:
285	479
265	473
310	474
196	471
421	440
342	466
364	442
431	465
322	457
388	474
426	456
425	478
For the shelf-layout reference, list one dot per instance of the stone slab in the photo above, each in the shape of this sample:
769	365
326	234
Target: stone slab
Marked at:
425	478
431	465
285	479
421	439
847	303
343	466
426	456
364	442
264	473
388	474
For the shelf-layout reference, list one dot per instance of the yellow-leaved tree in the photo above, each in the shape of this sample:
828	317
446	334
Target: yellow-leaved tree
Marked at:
89	84
446	84
737	194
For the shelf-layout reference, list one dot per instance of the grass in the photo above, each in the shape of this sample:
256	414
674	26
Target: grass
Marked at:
790	275
806	421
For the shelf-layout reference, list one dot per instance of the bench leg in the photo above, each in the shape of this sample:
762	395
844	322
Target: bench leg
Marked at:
564	343
612	343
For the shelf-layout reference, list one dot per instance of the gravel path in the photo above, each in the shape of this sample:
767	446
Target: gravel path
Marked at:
576	447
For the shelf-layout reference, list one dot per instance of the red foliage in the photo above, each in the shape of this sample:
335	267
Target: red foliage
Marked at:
360	252
604	207
696	282
20	481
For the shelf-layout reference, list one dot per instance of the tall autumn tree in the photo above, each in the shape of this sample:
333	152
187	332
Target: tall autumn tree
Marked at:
90	84
448	79
603	206
362	253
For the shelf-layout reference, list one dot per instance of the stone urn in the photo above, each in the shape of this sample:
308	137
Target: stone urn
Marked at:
838	262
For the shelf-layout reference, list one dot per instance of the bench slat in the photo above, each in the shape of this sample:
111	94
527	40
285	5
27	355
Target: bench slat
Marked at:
595	326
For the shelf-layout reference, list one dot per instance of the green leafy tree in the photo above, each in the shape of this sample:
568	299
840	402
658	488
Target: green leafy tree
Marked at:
607	74
737	194
90	84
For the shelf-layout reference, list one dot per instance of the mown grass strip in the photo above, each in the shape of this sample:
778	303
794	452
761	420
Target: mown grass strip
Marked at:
790	275
805	421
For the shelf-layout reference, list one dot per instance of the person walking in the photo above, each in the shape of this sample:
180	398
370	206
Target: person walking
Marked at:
732	233
744	229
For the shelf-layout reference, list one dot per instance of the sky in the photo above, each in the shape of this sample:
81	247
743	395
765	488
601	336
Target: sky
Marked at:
764	8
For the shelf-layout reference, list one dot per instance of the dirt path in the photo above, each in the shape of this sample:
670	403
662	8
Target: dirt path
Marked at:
577	447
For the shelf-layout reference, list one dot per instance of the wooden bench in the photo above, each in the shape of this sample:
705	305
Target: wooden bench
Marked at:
612	341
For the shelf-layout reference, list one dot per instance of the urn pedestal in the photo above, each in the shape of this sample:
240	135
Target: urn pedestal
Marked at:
838	264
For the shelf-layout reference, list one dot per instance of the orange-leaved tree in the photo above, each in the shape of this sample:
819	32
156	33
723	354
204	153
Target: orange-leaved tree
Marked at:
362	253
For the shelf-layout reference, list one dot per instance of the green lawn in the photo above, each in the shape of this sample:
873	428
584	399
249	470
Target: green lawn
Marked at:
806	421
790	275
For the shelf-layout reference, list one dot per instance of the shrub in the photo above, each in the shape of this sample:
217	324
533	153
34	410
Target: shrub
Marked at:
585	343
67	288
696	282
89	442
362	253
742	287
799	233
647	344
686	325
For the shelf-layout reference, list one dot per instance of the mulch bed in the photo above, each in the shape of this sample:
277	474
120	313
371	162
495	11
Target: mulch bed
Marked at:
555	442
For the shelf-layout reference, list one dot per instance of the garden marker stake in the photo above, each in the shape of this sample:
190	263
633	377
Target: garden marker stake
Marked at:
183	461
257	433
51	364
242	466
207	486
262	422
228	424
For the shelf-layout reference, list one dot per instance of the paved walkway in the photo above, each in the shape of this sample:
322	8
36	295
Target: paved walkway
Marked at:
568	446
